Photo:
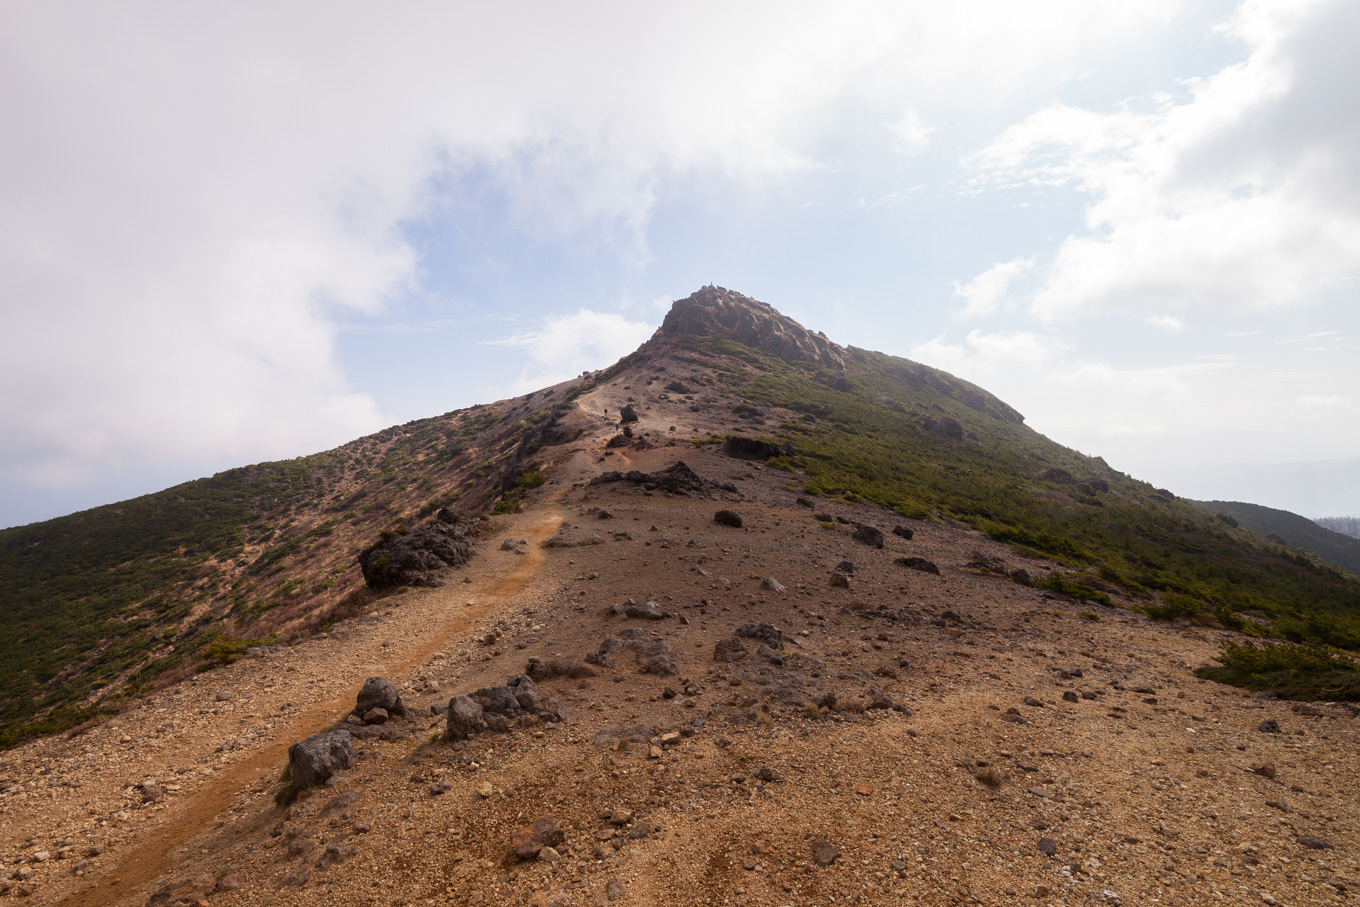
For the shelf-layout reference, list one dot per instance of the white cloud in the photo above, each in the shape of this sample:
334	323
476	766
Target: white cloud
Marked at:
567	345
1322	401
193	202
982	294
1239	193
1167	322
910	135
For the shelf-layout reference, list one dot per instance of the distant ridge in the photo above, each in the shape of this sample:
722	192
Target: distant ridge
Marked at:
1346	525
1293	530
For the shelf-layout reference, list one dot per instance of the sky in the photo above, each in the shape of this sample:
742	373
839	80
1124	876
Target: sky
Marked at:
240	232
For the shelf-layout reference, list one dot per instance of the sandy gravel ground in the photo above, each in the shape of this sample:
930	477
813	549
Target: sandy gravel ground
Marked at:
725	782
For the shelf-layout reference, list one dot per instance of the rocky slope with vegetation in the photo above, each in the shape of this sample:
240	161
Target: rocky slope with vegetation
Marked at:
747	618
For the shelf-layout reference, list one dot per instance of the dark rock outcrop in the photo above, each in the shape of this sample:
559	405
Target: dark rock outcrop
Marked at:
418	557
755	449
717	312
675	479
465	718
378	693
918	563
869	535
728	518
312	761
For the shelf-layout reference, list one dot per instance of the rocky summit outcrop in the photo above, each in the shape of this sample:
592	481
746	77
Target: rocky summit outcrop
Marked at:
419	557
718	312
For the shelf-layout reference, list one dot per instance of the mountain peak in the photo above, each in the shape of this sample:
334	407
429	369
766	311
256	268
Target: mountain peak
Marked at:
718	312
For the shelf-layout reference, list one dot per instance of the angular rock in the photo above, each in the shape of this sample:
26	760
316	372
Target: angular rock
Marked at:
312	761
770	584
902	532
417	558
378	693
526	842
824	853
1269	726
869	535
376	716
648	610
917	563
1312	842
729	649
628	414
464	718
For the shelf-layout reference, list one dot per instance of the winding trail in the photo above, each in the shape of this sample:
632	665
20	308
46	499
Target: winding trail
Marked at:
154	857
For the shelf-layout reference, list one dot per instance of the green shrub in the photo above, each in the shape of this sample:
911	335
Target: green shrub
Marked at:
1065	584
1292	671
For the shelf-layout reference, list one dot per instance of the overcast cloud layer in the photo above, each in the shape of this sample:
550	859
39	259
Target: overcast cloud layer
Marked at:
240	232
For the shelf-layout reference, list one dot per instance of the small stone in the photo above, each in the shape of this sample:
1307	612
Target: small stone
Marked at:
151	792
376	716
1312	842
613	890
1048	847
224	695
549	855
485	790
1070	696
439	789
1264	769
771	584
526	842
230	882
1269	726
824	853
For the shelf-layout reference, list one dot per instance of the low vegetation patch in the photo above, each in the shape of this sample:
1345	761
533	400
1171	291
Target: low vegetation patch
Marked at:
1290	670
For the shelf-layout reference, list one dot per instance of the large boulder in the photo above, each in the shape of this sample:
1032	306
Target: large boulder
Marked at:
378	693
419	557
628	414
869	535
312	761
728	518
465	718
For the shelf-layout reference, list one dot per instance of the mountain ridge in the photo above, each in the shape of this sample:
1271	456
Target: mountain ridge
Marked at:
108	603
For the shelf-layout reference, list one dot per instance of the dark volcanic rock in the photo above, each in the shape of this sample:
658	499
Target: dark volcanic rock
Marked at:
465	718
767	634
869	535
418	557
628	414
728	518
312	761
751	448
647	611
378	693
676	479
917	563
902	531
729	649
